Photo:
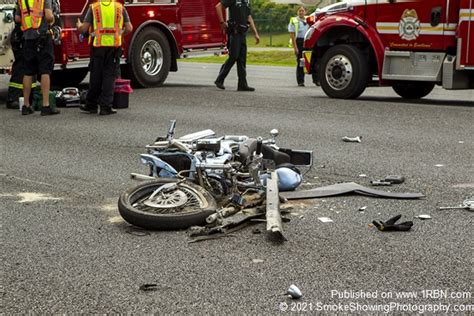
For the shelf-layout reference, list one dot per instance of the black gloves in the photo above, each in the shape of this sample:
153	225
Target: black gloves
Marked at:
391	226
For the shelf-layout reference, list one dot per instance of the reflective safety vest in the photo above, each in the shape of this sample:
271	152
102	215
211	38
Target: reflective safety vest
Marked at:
32	12
108	23
296	22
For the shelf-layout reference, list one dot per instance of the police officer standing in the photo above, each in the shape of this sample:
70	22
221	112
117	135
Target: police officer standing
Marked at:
109	20
297	28
236	28
34	16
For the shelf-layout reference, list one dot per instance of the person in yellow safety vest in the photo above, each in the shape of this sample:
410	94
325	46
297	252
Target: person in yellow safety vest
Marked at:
34	16
107	21
297	28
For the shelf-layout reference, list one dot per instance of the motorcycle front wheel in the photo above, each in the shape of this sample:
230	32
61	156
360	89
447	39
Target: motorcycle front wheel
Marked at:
165	204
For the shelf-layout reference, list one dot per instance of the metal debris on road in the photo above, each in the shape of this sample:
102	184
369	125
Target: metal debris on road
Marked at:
258	260
325	219
390	225
362	209
380	183
348	139
149	287
423	216
467	204
294	292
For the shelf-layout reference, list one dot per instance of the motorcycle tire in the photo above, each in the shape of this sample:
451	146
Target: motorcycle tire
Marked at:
179	208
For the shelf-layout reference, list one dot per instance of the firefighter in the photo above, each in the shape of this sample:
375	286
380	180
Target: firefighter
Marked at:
15	87
35	16
297	28
109	21
236	28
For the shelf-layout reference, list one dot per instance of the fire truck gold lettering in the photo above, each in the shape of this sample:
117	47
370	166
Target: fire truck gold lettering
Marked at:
410	27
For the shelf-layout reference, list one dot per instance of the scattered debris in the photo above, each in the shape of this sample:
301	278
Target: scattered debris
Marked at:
294	292
325	219
423	216
380	183
439	165
394	179
345	188
363	175
467	204
461	142
390	225
137	232
362	209
149	287
258	260
348	139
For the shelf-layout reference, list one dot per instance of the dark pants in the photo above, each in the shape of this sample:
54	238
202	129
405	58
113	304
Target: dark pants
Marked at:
15	88
299	70
237	46
103	70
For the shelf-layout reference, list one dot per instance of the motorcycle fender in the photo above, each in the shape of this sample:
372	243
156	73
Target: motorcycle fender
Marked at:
158	166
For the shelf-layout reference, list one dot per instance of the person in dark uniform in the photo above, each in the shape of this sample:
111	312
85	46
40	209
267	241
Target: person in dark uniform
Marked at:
34	16
15	86
109	21
297	28
236	28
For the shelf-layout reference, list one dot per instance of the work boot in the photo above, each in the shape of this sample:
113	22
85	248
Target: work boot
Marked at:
106	110
219	84
47	110
246	88
87	108
25	110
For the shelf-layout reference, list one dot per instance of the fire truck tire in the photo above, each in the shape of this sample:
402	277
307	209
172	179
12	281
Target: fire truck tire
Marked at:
68	77
150	58
344	72
413	90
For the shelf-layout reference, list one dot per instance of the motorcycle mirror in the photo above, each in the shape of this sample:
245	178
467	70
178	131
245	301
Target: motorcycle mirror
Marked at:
274	132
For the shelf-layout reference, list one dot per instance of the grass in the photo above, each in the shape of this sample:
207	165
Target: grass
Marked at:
265	58
269	40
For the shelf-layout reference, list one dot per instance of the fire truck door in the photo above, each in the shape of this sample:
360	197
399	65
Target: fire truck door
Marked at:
418	25
465	40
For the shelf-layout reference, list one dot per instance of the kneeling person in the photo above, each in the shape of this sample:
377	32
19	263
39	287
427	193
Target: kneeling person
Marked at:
109	21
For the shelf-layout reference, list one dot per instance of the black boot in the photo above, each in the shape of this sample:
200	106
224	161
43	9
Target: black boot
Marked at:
106	110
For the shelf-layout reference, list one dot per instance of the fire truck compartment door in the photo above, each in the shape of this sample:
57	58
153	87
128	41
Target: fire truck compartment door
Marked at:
414	25
465	39
413	66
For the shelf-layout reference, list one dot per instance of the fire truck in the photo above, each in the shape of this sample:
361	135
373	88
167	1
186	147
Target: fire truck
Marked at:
410	45
164	31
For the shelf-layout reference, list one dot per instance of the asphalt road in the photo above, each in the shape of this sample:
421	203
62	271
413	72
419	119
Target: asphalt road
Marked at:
65	249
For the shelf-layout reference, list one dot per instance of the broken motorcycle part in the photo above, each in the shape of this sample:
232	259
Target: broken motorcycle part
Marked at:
394	179
391	225
149	287
380	183
294	292
345	188
423	216
166	204
466	205
273	215
347	139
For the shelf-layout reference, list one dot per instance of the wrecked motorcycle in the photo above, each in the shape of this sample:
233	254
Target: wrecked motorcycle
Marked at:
199	177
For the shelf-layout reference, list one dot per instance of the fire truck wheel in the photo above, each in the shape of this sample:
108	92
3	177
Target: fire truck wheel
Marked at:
68	77
413	90
344	72
150	58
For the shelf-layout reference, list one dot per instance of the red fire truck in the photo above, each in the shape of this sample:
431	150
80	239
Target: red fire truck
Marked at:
411	45
164	30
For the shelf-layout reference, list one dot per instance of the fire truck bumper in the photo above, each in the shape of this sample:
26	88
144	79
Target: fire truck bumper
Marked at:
305	61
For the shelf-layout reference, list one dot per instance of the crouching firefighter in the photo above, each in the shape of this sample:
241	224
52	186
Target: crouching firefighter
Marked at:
107	21
35	16
15	87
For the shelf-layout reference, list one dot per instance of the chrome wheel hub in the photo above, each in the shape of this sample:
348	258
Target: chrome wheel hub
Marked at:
151	57
338	72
